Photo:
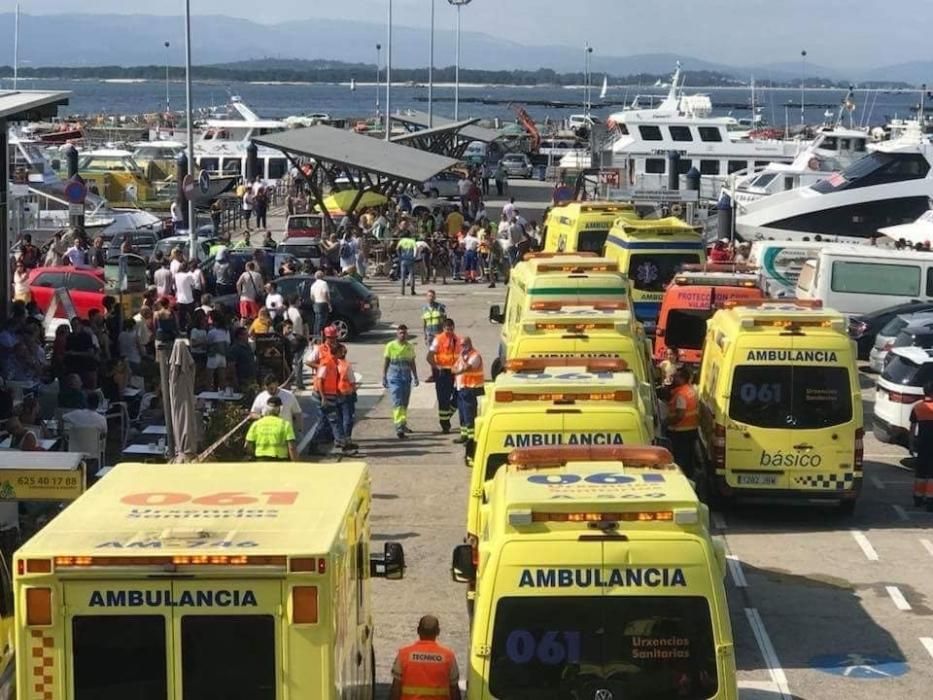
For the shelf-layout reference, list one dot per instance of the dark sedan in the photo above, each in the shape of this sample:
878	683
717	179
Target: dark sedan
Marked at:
355	307
863	329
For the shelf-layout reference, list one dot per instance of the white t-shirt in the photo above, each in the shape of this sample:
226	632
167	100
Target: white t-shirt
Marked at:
294	315
470	243
508	211
175	266
275	302
128	342
320	292
164	281
464	186
250	284
86	418
184	287
291	411
76	256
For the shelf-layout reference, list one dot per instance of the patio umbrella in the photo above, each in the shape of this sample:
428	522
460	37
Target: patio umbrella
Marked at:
185	417
339	202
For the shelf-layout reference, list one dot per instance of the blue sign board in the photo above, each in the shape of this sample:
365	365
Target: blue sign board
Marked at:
75	191
861	667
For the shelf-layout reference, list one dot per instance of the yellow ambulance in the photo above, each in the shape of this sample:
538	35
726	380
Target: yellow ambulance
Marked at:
650	252
582	226
554	403
597	578
203	580
780	404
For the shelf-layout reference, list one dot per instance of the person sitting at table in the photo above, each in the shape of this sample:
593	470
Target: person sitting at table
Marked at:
262	324
116	378
22	365
28	412
21	438
72	395
242	361
87	417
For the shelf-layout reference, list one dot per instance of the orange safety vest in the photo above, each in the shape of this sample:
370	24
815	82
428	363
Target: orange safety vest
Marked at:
425	667
448	348
345	378
329	384
468	377
691	417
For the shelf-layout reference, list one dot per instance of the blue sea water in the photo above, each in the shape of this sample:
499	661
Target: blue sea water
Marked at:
281	100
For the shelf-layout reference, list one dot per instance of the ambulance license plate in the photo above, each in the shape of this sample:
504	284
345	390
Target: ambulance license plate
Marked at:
757	479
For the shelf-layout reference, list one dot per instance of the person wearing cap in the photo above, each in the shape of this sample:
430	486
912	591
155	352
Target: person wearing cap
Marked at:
272	437
399	373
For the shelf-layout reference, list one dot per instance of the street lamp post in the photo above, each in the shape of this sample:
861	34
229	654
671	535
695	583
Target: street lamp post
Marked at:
389	75
431	73
803	81
587	96
192	224
458	4
168	98
378	79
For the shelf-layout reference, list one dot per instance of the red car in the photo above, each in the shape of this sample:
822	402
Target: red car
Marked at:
85	286
304	226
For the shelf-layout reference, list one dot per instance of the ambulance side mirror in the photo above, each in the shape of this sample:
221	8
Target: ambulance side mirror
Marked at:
495	314
462	569
390	564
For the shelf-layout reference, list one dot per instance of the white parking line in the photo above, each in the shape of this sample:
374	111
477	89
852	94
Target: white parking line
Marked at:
778	677
927	545
879	484
719	522
900	602
927	643
863	542
901	513
735	568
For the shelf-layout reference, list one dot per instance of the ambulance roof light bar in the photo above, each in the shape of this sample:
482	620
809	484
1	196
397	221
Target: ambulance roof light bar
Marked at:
540	364
630	456
780	304
738	279
562	304
577	267
547	256
720	267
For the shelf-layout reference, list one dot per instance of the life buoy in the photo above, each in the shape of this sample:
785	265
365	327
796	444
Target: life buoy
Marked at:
814	164
676	209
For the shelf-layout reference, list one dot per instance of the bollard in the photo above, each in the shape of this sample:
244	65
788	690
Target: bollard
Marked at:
252	162
181	172
724	207
673	170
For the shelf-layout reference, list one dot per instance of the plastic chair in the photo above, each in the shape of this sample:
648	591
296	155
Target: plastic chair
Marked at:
88	440
48	400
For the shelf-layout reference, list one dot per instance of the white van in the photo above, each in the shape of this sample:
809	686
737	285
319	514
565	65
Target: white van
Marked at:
859	279
779	264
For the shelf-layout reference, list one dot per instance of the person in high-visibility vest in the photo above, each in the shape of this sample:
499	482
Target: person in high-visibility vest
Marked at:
468	379
346	385
921	426
442	354
406	248
399	373
425	670
328	386
683	420
433	315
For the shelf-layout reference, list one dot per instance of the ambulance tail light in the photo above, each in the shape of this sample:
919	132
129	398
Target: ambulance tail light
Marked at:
545	256
644	516
308	565
859	458
644	456
34	566
38	607
540	364
579	268
304	605
719	446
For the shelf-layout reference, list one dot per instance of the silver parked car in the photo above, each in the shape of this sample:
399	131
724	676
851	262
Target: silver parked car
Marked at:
884	341
445	184
516	165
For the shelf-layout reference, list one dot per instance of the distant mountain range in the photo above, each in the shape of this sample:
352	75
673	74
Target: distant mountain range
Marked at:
130	40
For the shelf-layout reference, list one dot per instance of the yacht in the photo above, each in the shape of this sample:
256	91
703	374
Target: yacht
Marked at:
832	150
716	146
221	146
890	185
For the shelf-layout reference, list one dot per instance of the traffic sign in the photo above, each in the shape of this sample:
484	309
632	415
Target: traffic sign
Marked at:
187	186
204	182
75	209
861	667
75	191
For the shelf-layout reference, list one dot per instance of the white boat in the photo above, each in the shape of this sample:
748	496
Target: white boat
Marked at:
716	146
890	185
222	144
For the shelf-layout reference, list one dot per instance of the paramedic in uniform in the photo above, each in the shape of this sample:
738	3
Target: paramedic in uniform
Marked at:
442	354
683	420
425	670
921	426
398	375
468	379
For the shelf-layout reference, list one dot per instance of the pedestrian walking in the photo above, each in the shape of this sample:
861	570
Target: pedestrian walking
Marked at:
261	206
471	256
468	381
501	179
442	354
347	387
331	392
406	248
249	287
399	373
921	425
320	300
272	437
683	420
425	669
433	315
247	206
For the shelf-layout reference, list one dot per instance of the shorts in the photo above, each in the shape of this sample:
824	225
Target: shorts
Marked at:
249	308
216	362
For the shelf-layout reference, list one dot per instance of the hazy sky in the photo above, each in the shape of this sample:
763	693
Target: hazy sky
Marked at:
861	33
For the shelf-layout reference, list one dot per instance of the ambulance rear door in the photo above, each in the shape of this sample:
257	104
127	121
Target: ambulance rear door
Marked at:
173	639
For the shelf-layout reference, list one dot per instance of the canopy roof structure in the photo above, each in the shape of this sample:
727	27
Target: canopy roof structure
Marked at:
344	160
444	136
